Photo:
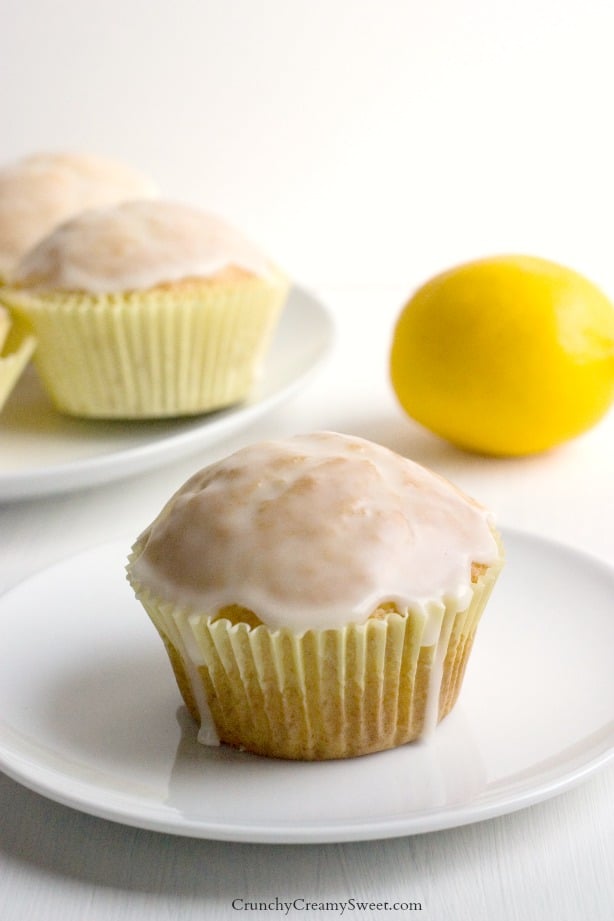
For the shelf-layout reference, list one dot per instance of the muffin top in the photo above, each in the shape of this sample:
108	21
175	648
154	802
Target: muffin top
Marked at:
41	191
135	246
315	531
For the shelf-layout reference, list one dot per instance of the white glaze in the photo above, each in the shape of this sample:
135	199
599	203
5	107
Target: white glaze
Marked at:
431	712
135	246
315	531
176	626
39	192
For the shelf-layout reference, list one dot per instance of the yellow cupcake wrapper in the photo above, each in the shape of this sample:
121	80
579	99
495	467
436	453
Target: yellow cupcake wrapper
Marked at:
152	354
16	349
5	325
323	693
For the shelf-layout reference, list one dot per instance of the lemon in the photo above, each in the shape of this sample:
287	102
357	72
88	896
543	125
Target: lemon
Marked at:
508	355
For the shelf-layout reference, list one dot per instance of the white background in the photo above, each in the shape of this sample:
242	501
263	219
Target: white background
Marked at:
359	142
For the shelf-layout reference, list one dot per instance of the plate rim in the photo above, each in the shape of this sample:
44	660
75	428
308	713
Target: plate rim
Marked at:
120	807
114	465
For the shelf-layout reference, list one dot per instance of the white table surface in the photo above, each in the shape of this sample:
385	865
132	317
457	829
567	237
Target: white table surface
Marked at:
550	862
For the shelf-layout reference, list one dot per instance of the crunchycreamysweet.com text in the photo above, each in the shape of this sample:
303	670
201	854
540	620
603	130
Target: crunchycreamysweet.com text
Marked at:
340	907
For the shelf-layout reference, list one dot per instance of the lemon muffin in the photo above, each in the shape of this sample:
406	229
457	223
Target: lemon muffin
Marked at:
39	192
147	309
16	349
317	596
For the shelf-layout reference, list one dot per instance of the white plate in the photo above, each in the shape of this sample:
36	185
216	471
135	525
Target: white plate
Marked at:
45	452
91	716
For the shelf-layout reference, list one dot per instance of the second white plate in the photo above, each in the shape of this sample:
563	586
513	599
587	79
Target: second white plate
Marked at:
45	452
91	716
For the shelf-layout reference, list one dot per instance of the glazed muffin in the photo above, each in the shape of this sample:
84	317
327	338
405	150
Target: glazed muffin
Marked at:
16	349
39	192
317	596
148	309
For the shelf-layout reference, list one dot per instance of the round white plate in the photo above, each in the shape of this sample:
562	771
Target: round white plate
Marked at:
45	452
91	716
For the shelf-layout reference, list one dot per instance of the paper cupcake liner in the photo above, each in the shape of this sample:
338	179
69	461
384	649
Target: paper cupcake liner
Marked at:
324	693
5	325
16	349
167	352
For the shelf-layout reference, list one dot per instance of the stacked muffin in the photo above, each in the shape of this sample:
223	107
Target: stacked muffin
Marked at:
145	308
37	193
40	192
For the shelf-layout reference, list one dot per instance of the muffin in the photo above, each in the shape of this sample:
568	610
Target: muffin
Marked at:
147	309
16	349
317	596
39	192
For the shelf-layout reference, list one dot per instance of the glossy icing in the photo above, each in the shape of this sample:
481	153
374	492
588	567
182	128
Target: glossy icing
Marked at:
315	531
39	192
135	246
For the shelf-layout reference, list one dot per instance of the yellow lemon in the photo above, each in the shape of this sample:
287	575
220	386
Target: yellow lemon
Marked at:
508	355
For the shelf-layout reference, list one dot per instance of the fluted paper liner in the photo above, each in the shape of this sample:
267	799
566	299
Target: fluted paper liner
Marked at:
17	346
166	352
322	693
